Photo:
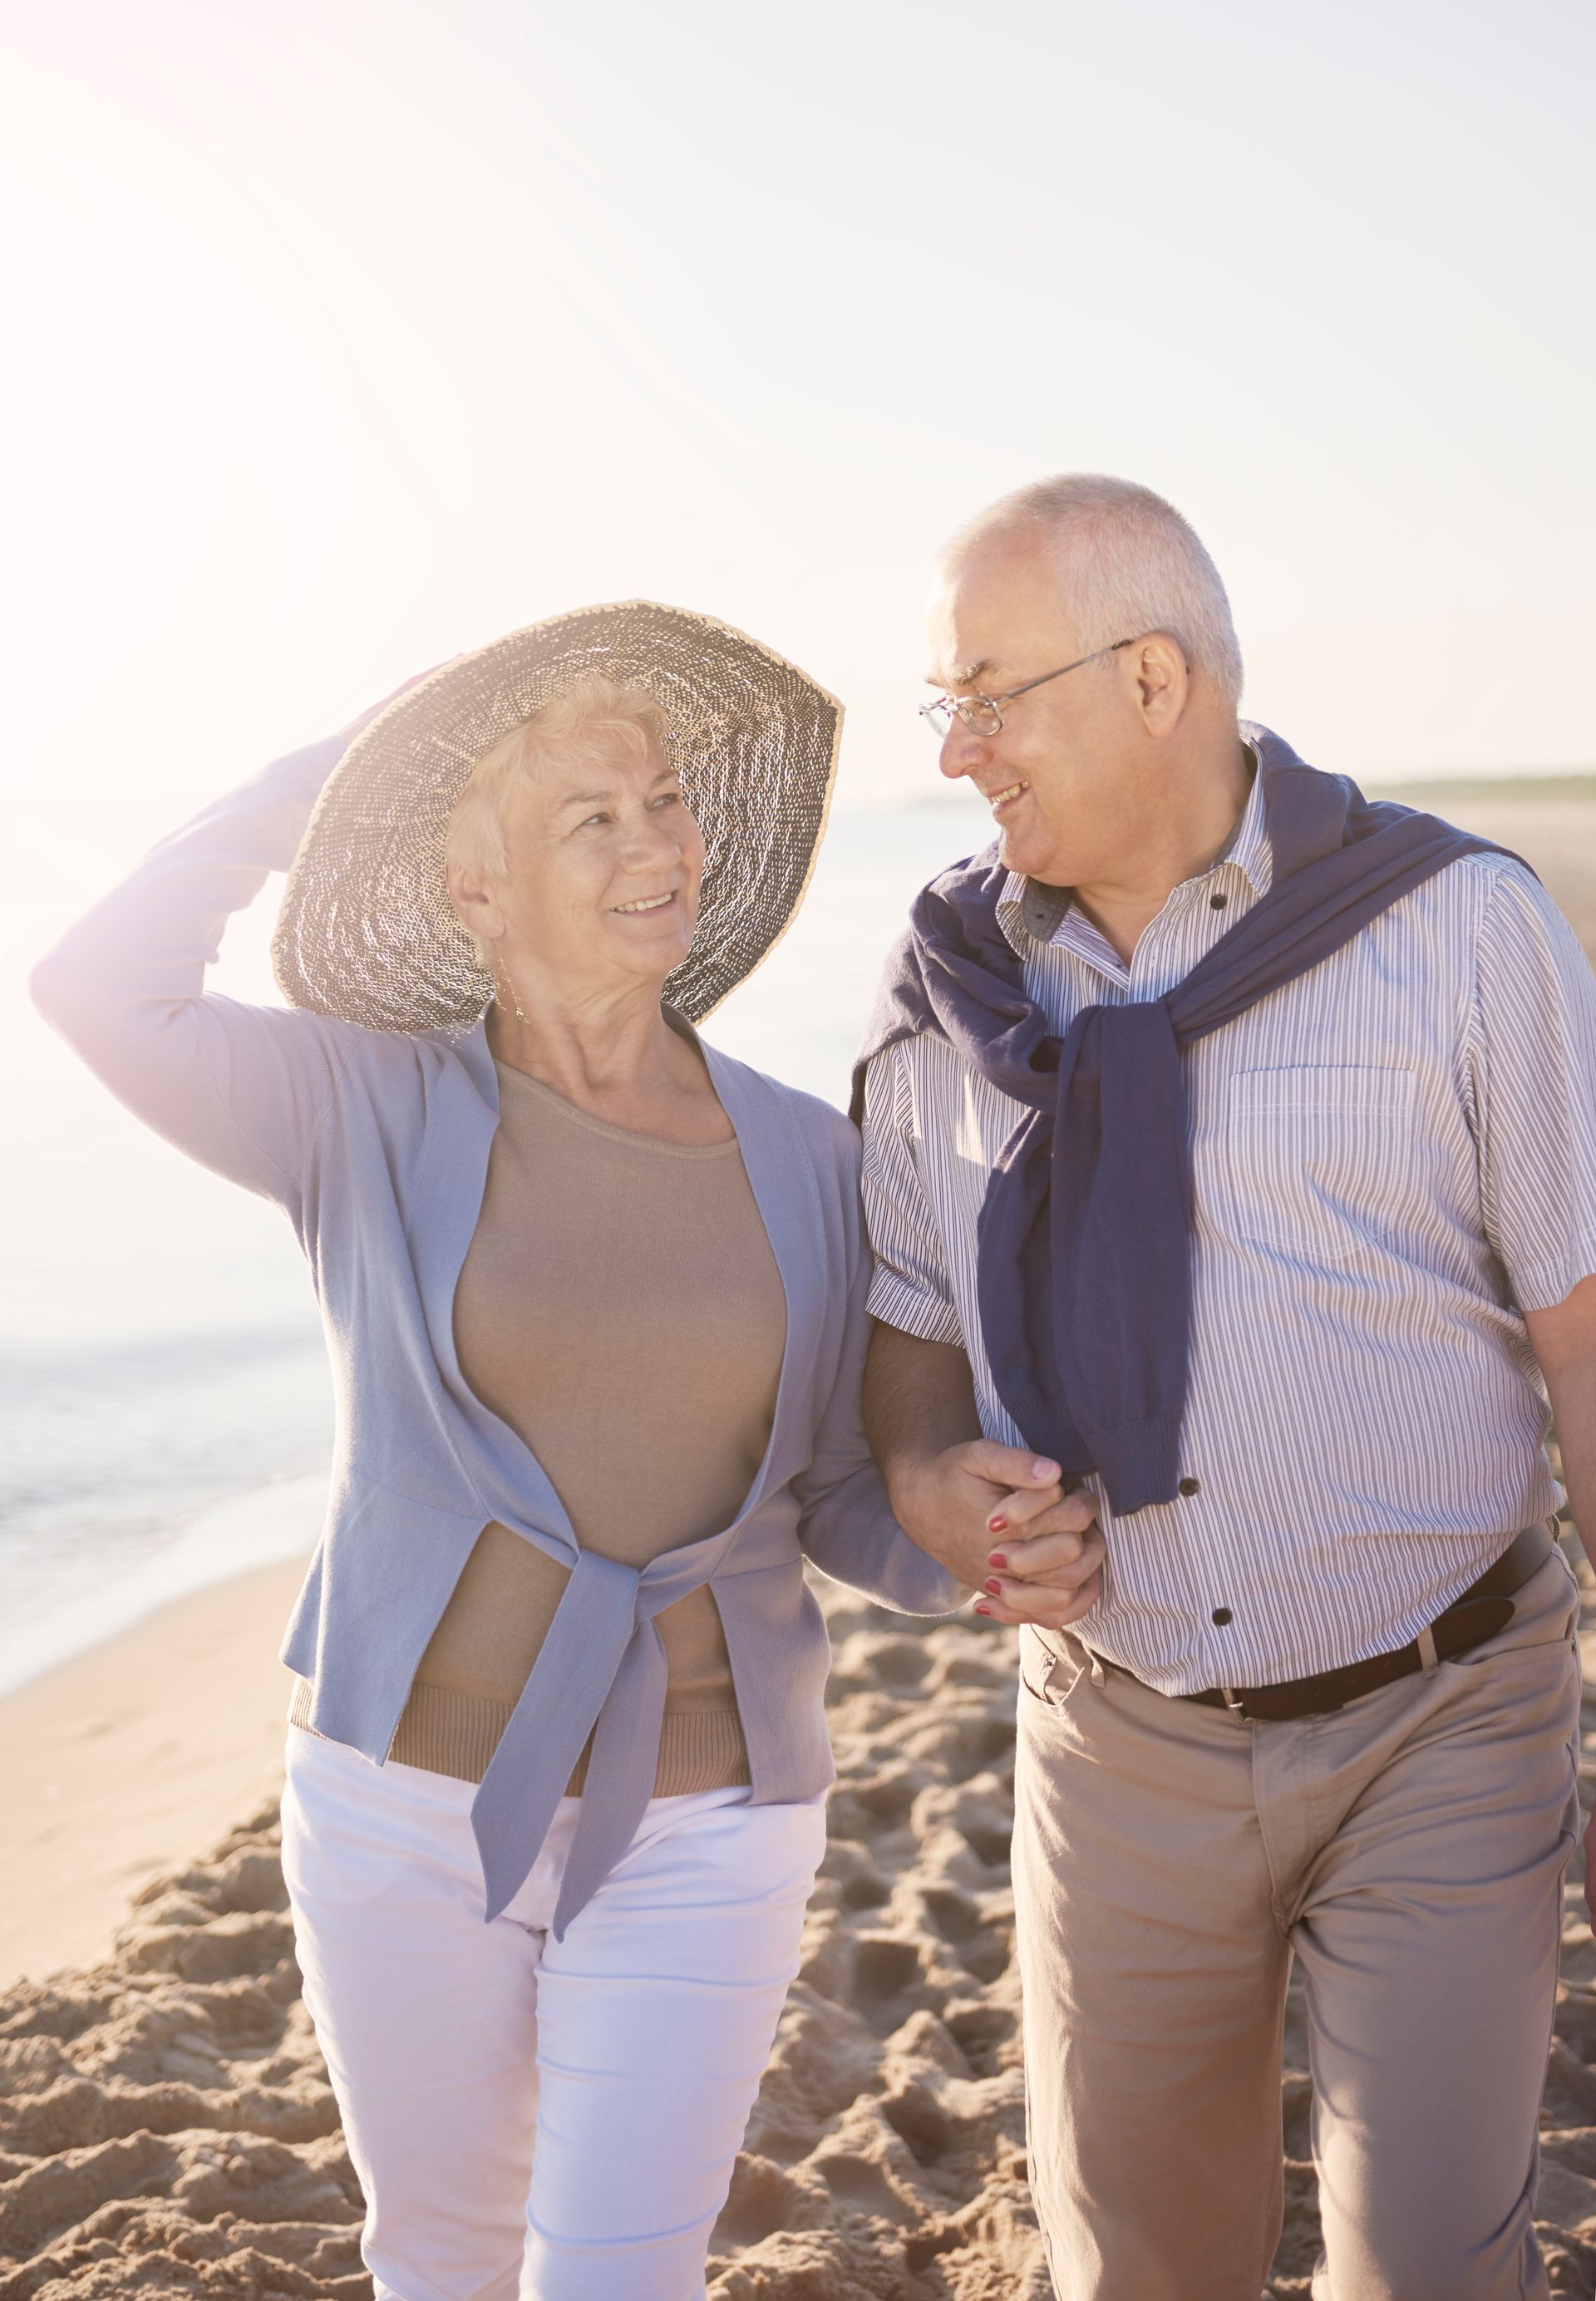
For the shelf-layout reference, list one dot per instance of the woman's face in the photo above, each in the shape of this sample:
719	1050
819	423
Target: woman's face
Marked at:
605	865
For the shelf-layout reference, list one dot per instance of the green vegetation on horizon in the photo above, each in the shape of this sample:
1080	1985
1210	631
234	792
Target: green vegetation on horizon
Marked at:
1499	788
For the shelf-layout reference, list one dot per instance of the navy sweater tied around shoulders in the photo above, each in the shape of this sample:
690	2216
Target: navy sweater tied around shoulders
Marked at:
1084	1240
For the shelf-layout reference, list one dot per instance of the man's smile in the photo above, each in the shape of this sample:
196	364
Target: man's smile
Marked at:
1000	801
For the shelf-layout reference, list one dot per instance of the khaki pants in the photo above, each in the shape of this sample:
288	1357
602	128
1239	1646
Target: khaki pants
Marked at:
1170	1859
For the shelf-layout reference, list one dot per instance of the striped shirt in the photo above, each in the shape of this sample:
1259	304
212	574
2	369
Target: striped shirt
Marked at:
1391	1157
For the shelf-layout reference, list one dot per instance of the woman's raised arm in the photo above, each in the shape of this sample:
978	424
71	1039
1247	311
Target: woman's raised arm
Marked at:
242	1088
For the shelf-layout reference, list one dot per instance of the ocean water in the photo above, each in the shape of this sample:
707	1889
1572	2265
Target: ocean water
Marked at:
164	1406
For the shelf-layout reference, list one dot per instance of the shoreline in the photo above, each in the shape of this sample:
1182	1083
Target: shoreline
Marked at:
126	1759
220	1542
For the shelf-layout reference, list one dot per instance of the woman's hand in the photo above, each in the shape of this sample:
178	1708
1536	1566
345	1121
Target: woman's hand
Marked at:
1049	1577
377	709
971	1504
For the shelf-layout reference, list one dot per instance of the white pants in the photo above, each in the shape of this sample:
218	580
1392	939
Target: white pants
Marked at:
534	2120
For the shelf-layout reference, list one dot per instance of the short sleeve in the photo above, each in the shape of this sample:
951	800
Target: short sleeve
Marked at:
1532	1061
910	1289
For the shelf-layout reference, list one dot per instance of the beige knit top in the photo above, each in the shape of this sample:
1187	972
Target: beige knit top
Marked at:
620	1307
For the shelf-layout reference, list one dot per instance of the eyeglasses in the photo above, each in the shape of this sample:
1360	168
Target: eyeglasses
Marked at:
982	715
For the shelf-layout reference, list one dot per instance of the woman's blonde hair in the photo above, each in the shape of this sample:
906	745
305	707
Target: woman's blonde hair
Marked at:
593	722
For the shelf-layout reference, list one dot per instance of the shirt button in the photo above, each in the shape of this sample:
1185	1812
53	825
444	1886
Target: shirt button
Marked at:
1221	1616
1217	902
1189	1486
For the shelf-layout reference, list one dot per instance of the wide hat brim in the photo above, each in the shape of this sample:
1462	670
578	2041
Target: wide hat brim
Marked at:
366	930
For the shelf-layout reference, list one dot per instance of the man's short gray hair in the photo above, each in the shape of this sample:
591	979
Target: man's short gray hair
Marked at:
1129	564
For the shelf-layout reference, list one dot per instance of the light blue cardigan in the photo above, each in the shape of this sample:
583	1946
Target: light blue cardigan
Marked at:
376	1144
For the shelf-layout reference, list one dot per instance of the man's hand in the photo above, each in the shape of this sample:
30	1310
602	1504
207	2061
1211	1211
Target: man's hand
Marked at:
995	1516
998	1518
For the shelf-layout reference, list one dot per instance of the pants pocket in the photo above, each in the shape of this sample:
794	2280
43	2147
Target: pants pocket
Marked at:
1048	1679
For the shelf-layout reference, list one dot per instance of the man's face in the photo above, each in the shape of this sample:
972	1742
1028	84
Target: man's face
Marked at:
1061	775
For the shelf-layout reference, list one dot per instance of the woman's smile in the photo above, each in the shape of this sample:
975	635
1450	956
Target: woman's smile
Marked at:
644	903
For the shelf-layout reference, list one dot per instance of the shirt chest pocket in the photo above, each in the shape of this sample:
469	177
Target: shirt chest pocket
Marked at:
1317	1163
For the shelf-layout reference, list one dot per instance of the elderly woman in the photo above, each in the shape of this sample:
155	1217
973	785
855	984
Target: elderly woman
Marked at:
594	1296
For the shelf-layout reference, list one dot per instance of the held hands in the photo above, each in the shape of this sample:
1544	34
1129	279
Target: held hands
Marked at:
998	1518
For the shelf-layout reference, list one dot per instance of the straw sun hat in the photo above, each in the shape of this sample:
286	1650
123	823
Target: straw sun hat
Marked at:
366	930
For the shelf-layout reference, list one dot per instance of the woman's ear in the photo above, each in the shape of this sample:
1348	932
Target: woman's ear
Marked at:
472	901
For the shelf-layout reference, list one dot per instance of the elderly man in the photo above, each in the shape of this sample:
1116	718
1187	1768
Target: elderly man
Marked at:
1230	1144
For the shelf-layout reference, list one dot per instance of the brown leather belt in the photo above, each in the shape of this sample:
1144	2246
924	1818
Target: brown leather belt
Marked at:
1483	1609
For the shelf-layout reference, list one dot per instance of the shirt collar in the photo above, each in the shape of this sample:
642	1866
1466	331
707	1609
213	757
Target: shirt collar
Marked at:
1029	910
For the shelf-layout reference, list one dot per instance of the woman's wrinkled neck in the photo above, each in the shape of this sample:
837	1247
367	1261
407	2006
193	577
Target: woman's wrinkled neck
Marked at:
608	1048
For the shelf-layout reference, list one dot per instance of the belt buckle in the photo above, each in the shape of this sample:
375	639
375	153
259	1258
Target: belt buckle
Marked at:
1233	1701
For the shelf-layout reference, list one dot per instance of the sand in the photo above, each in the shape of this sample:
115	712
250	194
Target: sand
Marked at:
1556	837
166	2126
122	1762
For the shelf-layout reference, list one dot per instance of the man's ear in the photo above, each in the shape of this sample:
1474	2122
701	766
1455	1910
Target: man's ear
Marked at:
1163	681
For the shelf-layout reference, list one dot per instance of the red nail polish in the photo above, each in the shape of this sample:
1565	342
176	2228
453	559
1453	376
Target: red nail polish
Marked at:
986	1611
997	1525
994	1589
999	1561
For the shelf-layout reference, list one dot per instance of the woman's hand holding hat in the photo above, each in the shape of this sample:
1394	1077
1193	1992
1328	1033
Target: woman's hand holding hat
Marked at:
356	726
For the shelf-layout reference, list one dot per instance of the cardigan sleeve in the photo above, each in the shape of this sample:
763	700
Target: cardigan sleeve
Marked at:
847	1527
242	1088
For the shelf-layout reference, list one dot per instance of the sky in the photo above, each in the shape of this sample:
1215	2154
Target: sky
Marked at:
346	336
